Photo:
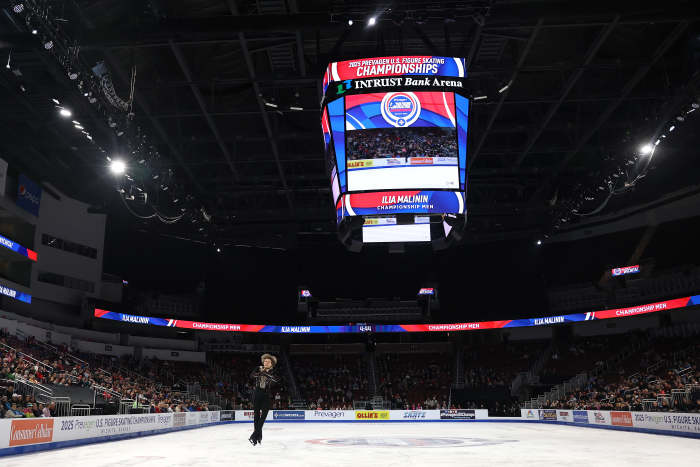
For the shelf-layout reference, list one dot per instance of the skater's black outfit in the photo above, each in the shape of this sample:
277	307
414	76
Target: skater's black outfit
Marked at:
263	380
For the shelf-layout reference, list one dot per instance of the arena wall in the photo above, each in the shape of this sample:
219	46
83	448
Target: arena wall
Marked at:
667	423
24	435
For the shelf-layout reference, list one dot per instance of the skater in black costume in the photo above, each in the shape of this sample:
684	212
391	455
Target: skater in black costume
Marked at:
263	377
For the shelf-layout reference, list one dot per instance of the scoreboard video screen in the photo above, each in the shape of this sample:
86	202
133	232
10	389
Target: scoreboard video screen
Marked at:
395	134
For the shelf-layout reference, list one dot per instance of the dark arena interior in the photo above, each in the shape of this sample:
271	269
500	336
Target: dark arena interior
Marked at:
349	232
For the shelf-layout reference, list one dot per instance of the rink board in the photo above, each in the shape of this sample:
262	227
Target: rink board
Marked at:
667	423
37	434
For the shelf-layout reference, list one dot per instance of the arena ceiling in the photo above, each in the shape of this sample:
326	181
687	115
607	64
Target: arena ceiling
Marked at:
585	84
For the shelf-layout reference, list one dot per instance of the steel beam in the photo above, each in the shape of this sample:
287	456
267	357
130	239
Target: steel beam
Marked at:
261	105
504	94
607	113
203	106
573	79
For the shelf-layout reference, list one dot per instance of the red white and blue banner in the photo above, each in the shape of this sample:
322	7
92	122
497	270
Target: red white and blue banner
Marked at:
625	270
400	110
16	294
407	65
17	248
511	323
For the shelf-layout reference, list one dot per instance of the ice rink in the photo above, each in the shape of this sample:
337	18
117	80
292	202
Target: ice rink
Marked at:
379	444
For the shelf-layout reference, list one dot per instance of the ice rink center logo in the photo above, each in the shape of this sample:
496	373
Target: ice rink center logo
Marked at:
400	109
409	442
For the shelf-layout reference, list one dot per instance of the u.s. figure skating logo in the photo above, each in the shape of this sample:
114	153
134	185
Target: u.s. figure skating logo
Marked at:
400	109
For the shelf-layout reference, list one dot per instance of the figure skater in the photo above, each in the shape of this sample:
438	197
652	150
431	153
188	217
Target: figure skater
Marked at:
263	378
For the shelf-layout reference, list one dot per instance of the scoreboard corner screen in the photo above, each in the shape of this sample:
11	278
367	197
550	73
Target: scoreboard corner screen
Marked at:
395	136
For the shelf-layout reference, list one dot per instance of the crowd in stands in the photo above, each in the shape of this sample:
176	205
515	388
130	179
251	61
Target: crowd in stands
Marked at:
330	382
236	385
645	382
414	381
642	380
401	142
490	366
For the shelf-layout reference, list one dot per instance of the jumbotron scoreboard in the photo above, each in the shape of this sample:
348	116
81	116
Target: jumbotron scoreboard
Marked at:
395	136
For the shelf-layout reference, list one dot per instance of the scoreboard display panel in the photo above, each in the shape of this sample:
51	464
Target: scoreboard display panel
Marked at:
395	137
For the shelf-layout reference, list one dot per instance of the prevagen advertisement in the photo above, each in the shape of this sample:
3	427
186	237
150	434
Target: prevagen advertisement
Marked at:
425	65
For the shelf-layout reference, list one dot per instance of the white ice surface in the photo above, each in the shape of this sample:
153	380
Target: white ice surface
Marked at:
471	444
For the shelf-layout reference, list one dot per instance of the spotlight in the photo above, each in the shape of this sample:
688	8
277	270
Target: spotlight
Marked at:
646	149
117	167
48	45
18	8
55	101
350	22
218	250
673	127
504	88
65	113
295	108
372	21
35	32
79	127
479	98
270	104
539	242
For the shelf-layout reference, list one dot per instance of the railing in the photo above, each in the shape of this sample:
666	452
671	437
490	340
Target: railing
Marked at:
125	406
372	369
36	390
62	406
293	389
26	356
79	410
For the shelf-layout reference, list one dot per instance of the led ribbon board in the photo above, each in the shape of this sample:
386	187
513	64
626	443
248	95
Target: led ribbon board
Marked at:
511	323
625	270
16	294
17	248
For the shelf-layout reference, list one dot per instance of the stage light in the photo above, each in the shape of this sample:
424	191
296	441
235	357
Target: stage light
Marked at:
79	127
65	112
117	167
218	250
270	104
504	88
646	149
48	45
55	101
72	75
295	108
18	8
350	22
372	21
479	98
35	32
539	242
